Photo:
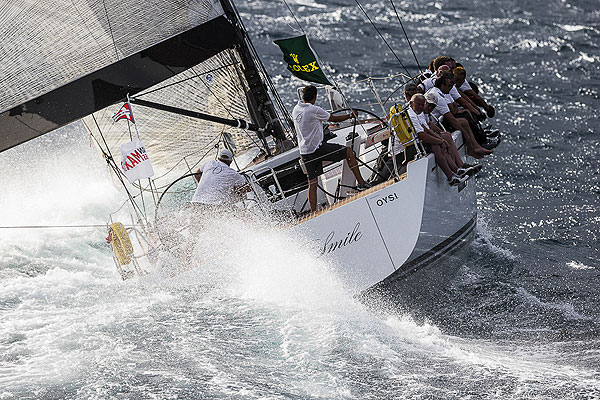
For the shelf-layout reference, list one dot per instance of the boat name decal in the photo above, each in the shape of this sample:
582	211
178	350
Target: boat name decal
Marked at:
387	199
331	244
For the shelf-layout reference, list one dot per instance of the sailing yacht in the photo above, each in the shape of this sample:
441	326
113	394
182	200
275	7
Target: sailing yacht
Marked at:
197	85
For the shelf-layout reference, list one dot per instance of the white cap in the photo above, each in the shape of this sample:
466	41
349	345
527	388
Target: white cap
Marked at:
226	155
431	98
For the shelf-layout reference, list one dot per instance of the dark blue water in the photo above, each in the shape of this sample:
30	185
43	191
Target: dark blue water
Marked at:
521	319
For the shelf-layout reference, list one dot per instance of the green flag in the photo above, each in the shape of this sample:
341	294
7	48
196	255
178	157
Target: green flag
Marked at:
301	60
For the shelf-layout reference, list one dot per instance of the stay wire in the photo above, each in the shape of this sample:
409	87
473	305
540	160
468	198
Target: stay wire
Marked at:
383	38
406	36
111	163
294	16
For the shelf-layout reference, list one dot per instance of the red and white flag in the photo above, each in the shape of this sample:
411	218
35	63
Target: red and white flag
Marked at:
124	112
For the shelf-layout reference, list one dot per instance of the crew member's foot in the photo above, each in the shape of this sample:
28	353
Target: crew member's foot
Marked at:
457	180
468	169
363	186
480	153
492	142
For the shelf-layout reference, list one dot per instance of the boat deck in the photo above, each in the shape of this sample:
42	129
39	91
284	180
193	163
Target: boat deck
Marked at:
349	199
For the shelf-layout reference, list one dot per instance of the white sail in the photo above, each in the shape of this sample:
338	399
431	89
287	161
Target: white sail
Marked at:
48	43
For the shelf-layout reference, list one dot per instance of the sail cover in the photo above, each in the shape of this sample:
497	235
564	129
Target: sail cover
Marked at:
67	59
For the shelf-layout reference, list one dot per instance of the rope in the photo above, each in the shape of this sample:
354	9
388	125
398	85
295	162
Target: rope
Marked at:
406	36
294	16
382	37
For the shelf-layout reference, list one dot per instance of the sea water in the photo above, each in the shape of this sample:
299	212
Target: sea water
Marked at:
258	315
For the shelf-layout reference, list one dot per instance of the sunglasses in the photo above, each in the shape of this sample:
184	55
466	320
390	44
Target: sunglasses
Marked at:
431	105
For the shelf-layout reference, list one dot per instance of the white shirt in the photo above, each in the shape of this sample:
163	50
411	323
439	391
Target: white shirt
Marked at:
217	183
442	103
308	120
428	83
465	86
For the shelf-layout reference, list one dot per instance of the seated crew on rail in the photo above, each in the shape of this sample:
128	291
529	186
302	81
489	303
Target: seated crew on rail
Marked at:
308	120
487	137
442	87
444	154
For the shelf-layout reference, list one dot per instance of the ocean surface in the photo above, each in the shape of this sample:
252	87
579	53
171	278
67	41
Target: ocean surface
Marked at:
520	320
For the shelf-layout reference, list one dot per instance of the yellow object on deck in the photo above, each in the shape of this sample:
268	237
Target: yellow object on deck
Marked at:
121	243
401	125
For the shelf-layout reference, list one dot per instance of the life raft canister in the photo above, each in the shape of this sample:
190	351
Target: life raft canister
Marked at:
121	243
401	125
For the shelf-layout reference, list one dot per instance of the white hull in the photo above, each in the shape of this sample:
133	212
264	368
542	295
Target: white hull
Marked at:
397	230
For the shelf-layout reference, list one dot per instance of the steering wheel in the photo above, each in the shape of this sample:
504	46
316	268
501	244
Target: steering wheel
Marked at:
360	110
356	120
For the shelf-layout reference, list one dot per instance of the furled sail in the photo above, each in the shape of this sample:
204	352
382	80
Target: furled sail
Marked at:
70	59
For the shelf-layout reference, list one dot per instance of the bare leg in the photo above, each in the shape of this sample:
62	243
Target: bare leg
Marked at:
312	194
474	148
441	161
353	164
452	150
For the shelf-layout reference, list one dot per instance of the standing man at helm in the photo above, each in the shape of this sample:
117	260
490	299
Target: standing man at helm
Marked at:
218	182
308	120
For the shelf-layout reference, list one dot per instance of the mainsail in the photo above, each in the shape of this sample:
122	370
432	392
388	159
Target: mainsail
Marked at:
71	59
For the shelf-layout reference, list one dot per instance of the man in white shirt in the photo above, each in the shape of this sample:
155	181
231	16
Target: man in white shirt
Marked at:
218	182
442	87
308	120
436	144
454	96
460	80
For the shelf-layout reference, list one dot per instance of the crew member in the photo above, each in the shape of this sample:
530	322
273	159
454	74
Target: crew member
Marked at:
308	120
218	183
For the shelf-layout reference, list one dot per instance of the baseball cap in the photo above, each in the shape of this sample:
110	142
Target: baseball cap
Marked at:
431	98
226	155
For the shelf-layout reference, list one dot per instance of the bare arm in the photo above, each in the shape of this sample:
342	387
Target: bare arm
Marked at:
340	118
428	136
467	104
480	101
198	175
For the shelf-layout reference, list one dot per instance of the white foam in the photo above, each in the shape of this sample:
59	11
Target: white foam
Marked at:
578	265
567	310
485	238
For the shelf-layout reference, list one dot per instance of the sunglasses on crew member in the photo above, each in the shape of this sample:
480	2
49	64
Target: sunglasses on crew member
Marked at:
430	105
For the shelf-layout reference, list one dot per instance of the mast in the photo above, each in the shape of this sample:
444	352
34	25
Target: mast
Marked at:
260	104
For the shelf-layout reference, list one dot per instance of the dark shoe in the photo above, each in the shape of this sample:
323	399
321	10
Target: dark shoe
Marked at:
457	180
492	143
364	186
492	133
468	170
